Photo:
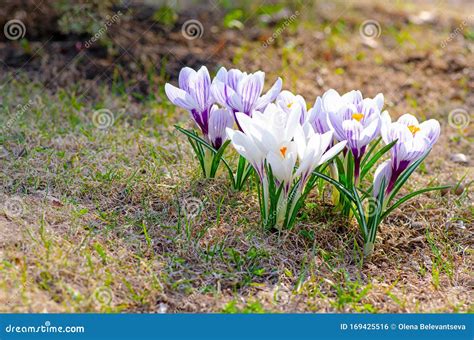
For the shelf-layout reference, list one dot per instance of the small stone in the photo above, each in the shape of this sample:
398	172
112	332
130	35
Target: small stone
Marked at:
424	17
459	189
459	158
162	308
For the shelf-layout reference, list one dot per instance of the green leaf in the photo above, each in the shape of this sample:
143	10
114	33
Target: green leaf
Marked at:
405	175
199	155
360	214
196	138
338	185
199	150
370	151
374	221
217	158
370	163
409	196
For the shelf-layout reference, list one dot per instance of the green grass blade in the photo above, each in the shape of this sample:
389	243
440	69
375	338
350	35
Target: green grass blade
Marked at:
370	163
338	185
370	151
405	175
409	196
217	158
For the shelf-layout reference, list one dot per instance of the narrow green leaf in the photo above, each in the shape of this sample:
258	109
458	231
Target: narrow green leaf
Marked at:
217	158
360	213
196	138
409	196
199	155
338	185
405	175
369	152
370	163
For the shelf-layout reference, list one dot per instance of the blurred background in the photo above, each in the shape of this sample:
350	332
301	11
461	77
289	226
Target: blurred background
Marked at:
60	43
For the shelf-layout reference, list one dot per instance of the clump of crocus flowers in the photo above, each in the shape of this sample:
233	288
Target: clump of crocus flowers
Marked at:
291	148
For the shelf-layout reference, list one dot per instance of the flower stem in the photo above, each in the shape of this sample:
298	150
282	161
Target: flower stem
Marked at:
208	157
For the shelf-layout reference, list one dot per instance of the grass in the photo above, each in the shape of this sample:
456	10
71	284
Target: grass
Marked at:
118	219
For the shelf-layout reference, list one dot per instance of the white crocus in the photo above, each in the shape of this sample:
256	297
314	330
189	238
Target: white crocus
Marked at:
268	138
271	132
313	150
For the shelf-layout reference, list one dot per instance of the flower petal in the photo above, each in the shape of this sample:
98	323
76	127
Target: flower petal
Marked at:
234	76
408	119
379	100
180	98
431	129
186	75
250	90
226	96
219	120
332	152
386	121
270	96
200	88
331	101
221	75
382	173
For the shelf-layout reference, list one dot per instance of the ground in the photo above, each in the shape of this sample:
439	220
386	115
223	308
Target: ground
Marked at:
92	214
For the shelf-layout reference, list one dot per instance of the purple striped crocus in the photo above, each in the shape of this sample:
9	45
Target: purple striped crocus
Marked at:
194	95
413	141
318	117
286	101
219	121
242	92
354	119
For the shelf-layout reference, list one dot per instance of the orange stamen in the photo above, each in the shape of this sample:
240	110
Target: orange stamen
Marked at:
413	129
283	150
358	116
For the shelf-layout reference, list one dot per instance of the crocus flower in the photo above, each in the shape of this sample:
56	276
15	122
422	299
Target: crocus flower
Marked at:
382	174
194	95
354	119
313	150
219	121
332	101
413	141
285	100
269	132
317	117
283	161
242	92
